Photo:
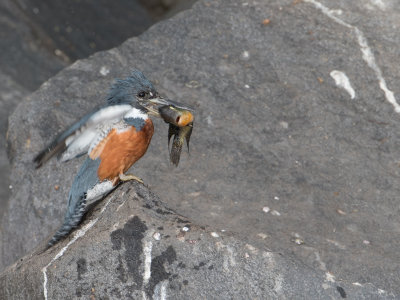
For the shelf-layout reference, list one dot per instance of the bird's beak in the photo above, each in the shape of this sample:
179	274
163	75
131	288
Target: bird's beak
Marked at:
160	101
157	102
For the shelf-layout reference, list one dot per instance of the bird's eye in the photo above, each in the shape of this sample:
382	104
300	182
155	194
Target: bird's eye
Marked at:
141	94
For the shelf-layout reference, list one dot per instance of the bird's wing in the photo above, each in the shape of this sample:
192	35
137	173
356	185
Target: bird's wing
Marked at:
76	140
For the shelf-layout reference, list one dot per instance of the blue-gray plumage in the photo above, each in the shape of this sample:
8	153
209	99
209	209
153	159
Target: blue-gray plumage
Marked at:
85	180
120	90
138	123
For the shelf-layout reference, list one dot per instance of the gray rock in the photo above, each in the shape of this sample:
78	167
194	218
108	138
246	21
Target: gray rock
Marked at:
24	57
133	247
39	38
272	131
80	28
24	65
11	93
164	9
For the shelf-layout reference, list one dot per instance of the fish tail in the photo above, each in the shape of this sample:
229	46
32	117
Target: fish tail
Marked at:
176	150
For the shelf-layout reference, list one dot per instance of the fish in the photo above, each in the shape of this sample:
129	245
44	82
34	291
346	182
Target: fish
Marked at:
180	129
179	135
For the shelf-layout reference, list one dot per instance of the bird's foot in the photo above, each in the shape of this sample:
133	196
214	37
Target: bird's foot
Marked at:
127	177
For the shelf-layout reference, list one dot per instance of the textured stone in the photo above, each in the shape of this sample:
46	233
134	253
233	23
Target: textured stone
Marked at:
117	257
272	130
11	93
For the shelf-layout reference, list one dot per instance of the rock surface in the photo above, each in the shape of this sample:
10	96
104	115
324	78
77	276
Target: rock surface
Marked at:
134	247
11	93
284	153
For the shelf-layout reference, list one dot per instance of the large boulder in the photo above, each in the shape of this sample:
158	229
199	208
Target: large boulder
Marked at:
133	247
295	145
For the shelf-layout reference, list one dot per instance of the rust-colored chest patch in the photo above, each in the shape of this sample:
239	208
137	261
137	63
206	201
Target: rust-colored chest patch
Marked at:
119	151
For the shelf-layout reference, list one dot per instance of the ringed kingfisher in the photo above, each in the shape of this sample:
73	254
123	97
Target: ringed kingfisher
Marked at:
114	136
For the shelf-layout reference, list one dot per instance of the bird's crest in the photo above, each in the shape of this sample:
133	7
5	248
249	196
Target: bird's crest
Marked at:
125	90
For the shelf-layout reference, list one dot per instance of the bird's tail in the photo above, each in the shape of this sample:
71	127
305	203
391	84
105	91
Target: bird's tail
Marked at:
84	181
70	222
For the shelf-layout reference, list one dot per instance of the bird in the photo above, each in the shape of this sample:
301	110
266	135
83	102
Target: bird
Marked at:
113	136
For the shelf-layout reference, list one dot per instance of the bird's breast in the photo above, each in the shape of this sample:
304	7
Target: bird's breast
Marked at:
119	150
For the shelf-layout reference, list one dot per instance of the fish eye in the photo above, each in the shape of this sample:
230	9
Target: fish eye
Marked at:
141	94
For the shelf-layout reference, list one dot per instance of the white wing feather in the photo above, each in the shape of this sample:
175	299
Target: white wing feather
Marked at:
97	127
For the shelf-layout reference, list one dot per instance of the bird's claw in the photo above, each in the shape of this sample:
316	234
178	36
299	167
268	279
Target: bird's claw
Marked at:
127	177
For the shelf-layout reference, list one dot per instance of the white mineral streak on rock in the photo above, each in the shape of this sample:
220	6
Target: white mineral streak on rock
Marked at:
343	81
147	247
367	54
379	4
79	233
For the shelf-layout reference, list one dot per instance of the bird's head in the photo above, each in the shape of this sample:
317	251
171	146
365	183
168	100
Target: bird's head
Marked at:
138	91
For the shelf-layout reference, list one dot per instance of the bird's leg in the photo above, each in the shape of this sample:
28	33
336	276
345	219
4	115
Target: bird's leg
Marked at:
127	177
